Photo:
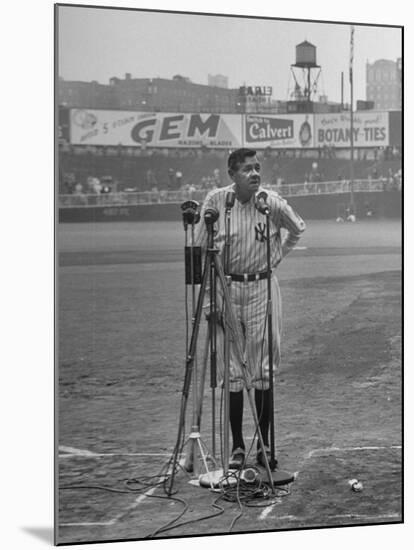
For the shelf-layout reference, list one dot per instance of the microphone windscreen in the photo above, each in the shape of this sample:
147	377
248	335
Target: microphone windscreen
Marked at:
211	214
230	198
261	202
261	196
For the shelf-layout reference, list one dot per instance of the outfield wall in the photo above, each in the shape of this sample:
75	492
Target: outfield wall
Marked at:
387	204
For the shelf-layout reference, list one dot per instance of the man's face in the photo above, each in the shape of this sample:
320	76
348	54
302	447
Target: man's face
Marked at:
247	176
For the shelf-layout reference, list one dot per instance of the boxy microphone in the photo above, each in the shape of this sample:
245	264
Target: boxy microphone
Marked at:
230	198
261	203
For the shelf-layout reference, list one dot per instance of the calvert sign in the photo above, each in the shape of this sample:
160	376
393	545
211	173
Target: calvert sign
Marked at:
274	131
131	128
369	129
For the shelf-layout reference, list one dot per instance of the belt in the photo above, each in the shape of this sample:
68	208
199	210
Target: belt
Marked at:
248	277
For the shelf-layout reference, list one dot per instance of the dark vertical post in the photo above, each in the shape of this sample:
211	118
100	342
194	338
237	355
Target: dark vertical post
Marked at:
351	82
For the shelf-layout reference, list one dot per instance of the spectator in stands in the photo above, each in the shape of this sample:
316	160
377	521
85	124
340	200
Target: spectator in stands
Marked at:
188	189
155	194
275	173
204	183
171	179
97	186
78	188
178	178
150	179
390	178
79	196
398	180
217	177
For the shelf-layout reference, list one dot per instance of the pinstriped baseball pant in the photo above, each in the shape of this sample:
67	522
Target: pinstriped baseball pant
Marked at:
249	302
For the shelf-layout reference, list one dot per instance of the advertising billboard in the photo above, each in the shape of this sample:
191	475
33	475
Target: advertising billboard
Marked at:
278	131
132	128
334	129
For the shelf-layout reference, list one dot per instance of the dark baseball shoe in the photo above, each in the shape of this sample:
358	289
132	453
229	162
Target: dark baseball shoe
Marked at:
237	459
260	458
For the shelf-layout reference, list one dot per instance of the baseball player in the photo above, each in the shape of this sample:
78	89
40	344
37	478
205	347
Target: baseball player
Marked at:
247	264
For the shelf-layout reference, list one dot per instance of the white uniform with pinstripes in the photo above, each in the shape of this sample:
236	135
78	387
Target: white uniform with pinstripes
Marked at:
248	254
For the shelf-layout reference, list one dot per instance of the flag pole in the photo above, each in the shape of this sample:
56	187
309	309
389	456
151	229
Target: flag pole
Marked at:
351	82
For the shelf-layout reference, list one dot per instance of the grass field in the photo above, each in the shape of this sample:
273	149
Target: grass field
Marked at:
121	344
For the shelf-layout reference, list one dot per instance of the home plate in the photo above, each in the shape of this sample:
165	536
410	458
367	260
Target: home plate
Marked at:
217	480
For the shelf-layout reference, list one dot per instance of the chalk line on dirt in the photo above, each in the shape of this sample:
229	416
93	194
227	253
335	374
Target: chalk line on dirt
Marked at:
327	450
71	452
266	511
74	451
87	524
343	516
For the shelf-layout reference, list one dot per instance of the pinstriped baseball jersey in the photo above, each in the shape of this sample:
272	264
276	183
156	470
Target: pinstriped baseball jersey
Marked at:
248	254
248	230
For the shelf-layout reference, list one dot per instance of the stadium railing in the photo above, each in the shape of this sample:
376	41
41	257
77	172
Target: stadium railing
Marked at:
123	198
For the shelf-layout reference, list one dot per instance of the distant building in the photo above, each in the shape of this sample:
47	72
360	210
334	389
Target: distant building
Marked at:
178	94
218	81
181	95
86	94
383	84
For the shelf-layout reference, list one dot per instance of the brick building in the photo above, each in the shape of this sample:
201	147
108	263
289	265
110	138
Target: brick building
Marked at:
149	94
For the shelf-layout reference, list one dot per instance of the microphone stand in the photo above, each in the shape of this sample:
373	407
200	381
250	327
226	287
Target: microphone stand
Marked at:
212	336
234	329
280	477
230	198
272	461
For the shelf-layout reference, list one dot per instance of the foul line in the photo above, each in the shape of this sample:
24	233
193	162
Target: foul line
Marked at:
321	452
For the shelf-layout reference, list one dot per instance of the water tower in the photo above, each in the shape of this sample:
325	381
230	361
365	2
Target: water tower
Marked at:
305	72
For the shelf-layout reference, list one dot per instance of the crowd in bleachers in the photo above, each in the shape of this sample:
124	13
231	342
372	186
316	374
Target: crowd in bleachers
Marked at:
85	170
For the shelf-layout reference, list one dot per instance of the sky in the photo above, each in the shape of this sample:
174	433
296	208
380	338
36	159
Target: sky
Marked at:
97	44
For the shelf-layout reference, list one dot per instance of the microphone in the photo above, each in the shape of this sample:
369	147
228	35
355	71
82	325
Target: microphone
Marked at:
230	198
190	212
211	215
261	203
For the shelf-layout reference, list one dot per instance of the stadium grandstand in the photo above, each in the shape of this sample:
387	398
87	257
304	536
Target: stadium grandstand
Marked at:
110	157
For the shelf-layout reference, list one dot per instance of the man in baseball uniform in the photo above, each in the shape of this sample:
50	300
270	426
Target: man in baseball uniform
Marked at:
247	264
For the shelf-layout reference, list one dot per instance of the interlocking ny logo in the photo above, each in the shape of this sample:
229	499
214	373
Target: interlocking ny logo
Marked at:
260	229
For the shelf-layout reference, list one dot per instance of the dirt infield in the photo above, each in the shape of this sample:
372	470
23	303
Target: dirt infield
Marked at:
121	368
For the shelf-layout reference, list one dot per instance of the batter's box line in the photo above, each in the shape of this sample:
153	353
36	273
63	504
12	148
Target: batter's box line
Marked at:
119	516
73	452
328	450
324	451
364	517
